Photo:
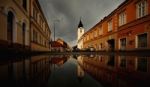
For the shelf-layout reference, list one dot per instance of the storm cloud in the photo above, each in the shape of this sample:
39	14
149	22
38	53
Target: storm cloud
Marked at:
66	15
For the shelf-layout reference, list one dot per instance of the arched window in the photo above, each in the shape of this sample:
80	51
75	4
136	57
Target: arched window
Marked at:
23	33
25	4
10	22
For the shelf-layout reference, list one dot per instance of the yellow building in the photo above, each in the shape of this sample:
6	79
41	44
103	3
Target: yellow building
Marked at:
14	24
40	31
23	26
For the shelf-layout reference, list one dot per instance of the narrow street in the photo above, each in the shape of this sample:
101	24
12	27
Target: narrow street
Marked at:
74	43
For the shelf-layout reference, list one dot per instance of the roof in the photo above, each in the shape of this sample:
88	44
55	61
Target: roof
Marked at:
56	44
80	24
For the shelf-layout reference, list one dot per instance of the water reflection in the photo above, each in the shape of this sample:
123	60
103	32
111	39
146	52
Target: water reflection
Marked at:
118	71
25	72
71	74
76	71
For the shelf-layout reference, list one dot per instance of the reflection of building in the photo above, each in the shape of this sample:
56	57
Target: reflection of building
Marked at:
14	24
118	71
126	28
59	60
25	72
80	71
80	32
40	31
40	70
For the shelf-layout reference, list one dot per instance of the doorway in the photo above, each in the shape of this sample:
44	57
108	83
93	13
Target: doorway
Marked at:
111	45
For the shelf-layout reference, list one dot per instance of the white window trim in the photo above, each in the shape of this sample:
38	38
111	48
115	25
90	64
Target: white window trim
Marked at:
110	25
137	9
122	18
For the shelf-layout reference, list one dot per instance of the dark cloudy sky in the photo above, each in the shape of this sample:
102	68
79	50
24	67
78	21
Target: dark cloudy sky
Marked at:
68	12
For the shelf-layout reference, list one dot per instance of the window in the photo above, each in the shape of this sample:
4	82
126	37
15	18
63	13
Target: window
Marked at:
40	39
90	36
45	43
95	34
23	33
110	25
100	46
122	18
100	30
141	8
123	43
35	36
87	37
10	23
142	41
34	13
80	30
24	4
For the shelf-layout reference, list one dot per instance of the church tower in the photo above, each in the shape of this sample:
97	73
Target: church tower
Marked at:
80	32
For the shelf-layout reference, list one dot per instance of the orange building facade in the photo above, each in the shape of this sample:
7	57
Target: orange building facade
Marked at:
126	28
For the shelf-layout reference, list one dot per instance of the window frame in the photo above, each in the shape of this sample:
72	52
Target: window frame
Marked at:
110	25
141	10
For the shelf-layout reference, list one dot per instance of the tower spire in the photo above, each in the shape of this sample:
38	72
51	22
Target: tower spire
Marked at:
80	23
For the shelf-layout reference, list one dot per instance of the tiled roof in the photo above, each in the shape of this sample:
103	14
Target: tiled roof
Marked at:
56	44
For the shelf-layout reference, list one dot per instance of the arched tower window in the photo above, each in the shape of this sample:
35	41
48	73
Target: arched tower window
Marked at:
10	22
24	4
23	33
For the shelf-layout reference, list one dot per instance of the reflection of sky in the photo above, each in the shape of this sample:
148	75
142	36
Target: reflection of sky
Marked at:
66	76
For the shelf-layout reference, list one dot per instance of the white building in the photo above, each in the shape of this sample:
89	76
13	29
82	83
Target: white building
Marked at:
80	32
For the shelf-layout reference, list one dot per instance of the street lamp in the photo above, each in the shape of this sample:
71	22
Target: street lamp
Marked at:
54	27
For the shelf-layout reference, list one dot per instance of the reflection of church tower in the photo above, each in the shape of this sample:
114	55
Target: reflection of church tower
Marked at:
80	32
80	73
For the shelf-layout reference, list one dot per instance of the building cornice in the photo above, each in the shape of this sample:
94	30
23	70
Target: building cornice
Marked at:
26	13
41	12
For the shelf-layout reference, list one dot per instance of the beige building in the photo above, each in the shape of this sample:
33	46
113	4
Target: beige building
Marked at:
14	24
40	31
23	26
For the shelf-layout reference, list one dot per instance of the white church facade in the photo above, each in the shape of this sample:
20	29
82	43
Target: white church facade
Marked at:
80	32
